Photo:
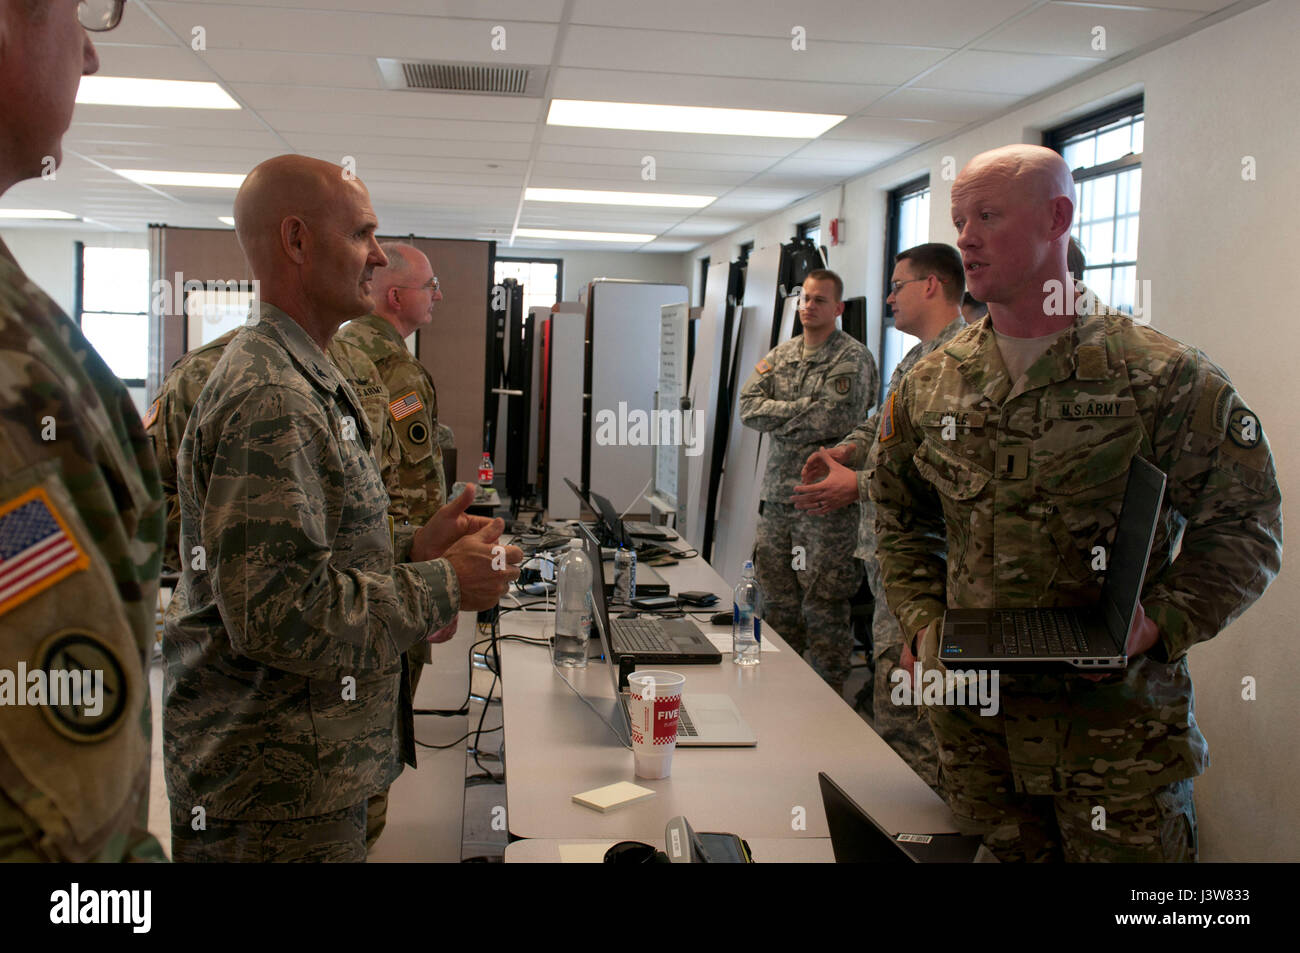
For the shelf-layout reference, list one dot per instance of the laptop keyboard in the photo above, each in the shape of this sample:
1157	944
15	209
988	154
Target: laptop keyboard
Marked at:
1040	632
641	635
685	727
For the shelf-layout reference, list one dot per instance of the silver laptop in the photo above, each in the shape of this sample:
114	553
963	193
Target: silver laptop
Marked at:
705	721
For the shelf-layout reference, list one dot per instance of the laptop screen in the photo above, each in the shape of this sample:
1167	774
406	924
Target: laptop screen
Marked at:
600	614
1128	557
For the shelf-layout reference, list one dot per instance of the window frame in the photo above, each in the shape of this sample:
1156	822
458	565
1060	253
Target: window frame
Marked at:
79	302
892	235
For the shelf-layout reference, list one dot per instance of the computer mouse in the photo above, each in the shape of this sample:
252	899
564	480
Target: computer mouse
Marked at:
721	618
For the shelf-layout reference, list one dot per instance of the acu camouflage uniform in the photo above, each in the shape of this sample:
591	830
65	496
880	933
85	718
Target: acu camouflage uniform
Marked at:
284	656
804	403
77	476
1031	482
375	360
905	728
165	423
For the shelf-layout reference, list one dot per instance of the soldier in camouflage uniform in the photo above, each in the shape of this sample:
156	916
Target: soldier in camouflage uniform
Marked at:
925	291
1029	483
78	485
165	423
283	652
807	392
403	410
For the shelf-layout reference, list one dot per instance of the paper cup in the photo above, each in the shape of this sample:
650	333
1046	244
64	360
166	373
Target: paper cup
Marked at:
653	705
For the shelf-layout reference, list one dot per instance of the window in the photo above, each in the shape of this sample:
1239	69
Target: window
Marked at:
541	278
704	277
114	311
1104	151
811	229
909	226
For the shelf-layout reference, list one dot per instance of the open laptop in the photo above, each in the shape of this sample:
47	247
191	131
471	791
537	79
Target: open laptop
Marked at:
650	641
705	721
1084	637
648	581
856	838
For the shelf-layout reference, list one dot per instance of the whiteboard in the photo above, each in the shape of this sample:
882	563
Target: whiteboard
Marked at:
625	322
673	342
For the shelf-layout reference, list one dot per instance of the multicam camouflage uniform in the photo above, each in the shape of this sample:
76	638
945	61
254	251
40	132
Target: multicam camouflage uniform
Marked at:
284	654
1031	482
905	728
804	403
77	478
402	407
165	423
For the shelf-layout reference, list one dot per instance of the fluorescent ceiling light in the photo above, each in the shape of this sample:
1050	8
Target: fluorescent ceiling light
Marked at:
592	197
227	219
35	213
583	236
202	180
701	119
167	93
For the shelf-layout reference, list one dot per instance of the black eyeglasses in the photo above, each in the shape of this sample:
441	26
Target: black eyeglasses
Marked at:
895	285
100	16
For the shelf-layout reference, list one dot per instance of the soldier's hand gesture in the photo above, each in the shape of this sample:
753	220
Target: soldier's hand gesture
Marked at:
484	567
449	524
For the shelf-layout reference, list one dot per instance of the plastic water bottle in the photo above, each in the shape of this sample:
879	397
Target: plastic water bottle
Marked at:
573	607
625	575
746	620
485	471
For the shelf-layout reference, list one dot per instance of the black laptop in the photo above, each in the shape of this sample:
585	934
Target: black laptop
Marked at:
1090	638
650	640
856	838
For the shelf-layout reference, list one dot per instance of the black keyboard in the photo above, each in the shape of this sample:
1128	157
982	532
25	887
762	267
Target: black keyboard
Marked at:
685	727
1027	632
641	635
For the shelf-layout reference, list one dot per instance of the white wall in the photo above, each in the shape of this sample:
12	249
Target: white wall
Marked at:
1219	253
49	256
581	267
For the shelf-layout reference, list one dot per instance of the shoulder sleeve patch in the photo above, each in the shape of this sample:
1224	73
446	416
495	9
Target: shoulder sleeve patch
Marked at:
763	366
887	432
152	415
37	549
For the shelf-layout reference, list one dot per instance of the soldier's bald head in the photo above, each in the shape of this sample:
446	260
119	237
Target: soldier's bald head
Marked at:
280	188
1035	172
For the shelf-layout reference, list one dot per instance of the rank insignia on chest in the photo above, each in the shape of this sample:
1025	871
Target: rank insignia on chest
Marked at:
405	406
763	366
36	548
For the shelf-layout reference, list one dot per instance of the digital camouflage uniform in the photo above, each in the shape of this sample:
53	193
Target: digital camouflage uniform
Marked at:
905	728
804	403
1031	482
284	654
165	422
374	358
79	487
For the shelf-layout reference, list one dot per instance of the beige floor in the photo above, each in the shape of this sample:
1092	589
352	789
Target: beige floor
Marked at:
426	804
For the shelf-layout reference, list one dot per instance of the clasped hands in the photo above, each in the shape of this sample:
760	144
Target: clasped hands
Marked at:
483	567
828	485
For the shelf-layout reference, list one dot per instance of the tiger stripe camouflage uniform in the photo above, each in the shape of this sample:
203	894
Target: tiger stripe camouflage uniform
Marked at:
1030	483
376	361
803	403
165	422
77	480
905	728
284	654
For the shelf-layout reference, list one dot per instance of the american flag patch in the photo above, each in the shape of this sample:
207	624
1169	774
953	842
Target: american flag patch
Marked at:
405	406
36	548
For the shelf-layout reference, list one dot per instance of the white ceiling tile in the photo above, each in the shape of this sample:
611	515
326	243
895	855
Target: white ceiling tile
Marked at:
384	128
152	62
945	105
1018	74
879	129
365	145
653	143
865	154
546	11
295	69
389	102
1067	28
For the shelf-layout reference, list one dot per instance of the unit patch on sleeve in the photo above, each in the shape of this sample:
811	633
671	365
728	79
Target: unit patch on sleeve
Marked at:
405	406
887	432
94	696
763	366
152	415
36	548
843	385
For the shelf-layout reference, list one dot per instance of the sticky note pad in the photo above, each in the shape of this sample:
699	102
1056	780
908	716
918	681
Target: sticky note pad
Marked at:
613	796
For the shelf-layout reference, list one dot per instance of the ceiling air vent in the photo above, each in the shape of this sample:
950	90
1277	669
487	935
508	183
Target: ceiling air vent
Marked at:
487	78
